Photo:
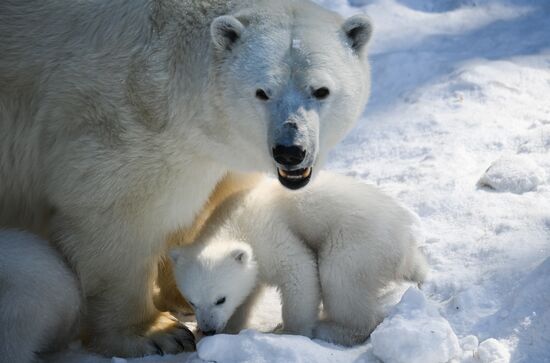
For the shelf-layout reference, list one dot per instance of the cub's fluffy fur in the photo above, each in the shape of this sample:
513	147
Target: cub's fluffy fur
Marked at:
340	241
39	298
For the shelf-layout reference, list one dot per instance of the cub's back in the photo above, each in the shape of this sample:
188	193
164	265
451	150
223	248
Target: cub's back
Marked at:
334	203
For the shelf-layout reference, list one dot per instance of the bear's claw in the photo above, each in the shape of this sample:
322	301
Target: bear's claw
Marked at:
173	340
157	347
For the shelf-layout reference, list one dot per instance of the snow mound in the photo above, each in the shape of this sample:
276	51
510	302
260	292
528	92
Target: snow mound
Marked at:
516	174
415	332
254	347
492	351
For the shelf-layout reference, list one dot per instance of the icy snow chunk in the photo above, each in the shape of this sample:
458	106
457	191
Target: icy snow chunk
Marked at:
415	332
516	174
492	351
252	346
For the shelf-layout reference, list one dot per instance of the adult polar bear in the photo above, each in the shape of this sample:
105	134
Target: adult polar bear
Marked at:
119	118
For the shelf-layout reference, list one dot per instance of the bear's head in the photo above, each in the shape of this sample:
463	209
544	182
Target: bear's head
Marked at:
215	279
291	78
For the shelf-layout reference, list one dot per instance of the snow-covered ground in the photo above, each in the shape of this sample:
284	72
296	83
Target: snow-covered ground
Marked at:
458	129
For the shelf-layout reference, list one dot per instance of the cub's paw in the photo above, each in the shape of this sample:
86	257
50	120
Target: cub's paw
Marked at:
280	329
337	334
326	331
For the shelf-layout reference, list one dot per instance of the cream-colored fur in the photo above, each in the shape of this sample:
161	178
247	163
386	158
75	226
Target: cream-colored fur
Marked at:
119	118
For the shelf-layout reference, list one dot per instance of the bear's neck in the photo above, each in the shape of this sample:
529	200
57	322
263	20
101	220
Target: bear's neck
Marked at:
189	60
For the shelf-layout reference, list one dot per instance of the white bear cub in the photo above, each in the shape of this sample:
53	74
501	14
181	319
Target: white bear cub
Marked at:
39	298
339	241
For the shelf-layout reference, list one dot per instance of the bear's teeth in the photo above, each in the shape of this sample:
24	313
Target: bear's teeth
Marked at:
305	174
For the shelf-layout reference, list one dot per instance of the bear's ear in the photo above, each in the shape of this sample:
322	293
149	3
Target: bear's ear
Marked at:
225	31
241	255
358	30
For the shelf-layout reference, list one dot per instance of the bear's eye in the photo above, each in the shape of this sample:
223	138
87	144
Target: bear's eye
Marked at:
261	95
192	305
220	301
321	93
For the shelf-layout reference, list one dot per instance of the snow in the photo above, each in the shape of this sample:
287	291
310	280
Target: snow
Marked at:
516	174
253	347
461	95
491	351
422	334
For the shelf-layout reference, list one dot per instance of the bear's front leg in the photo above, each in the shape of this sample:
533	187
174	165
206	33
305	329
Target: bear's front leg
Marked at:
116	261
169	297
122	320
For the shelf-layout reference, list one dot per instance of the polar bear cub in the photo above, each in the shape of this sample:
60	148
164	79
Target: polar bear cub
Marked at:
39	298
340	241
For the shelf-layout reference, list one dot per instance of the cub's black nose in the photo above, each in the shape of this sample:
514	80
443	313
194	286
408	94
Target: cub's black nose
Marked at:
209	333
288	155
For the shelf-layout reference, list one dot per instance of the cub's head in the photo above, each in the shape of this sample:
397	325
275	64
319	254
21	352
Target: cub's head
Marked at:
215	279
291	78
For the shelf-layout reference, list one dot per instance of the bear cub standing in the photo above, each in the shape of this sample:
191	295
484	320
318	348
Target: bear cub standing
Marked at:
339	241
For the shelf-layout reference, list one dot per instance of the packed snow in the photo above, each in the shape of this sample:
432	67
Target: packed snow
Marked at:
423	334
516	174
458	129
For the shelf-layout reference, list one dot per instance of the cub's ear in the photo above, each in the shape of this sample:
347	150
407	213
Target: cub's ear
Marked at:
241	255
358	30
225	31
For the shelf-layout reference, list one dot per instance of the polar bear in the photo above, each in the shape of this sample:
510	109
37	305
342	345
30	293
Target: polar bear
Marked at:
119	118
340	241
39	296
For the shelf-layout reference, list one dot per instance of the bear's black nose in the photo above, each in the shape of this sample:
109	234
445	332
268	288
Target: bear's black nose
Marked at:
288	155
209	333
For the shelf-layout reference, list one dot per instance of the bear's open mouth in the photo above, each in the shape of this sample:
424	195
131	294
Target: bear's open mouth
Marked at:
294	179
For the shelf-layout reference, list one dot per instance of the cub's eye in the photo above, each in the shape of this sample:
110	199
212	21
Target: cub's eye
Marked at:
321	93
220	301
192	305
261	95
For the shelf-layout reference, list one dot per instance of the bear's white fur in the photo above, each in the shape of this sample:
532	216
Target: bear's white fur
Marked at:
39	296
118	119
344	237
